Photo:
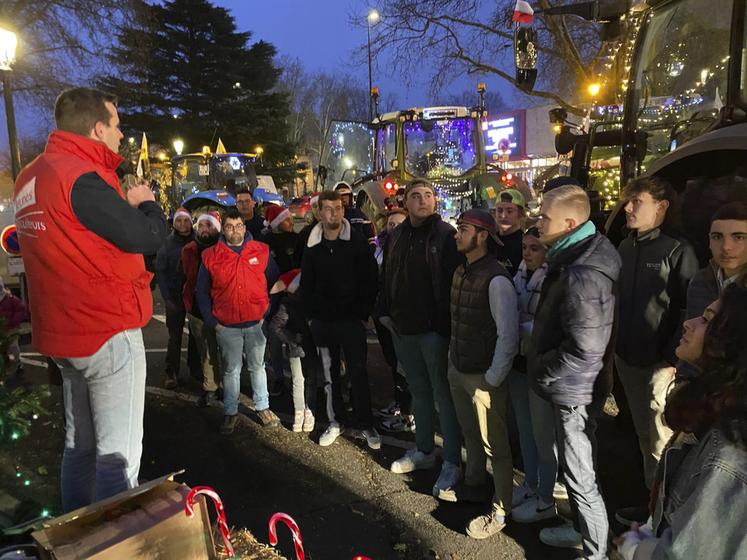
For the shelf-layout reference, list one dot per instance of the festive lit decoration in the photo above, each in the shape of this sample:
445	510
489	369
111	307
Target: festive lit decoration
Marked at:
607	183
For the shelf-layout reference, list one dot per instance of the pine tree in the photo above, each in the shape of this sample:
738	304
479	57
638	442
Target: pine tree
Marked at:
187	72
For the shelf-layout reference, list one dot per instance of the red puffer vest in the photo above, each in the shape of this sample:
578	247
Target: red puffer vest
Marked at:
82	289
239	286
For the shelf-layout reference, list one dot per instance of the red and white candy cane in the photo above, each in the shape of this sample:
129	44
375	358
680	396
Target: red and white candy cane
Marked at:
222	525
295	531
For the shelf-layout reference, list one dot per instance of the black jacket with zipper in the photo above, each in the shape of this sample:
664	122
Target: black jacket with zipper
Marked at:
397	275
656	270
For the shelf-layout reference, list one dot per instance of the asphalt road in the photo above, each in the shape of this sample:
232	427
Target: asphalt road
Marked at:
344	498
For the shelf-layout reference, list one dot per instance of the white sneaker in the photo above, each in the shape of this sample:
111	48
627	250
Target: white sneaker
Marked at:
298	417
329	436
308	421
450	475
533	510
413	460
521	494
562	536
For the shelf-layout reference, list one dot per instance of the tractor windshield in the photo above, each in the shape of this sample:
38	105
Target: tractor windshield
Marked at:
196	173
440	148
680	78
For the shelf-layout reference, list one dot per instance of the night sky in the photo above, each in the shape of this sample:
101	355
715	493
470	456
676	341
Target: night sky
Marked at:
321	35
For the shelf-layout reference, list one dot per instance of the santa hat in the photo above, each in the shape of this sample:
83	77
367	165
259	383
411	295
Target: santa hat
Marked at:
183	212
275	215
290	281
212	217
314	200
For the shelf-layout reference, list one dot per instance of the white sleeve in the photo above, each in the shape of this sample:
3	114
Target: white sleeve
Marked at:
505	311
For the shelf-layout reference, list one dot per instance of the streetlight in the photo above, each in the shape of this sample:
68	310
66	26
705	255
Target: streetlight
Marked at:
8	43
371	19
594	88
259	150
178	146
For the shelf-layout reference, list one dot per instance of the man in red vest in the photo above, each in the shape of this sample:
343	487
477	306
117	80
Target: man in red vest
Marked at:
232	292
83	242
208	233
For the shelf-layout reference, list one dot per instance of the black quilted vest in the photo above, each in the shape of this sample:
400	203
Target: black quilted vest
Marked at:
473	332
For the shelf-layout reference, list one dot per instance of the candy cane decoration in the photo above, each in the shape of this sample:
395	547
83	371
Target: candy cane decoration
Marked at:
295	531
222	525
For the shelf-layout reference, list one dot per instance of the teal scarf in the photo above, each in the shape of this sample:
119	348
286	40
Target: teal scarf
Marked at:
573	238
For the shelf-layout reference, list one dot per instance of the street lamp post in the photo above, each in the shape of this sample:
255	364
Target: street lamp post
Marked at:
371	19
178	146
8	43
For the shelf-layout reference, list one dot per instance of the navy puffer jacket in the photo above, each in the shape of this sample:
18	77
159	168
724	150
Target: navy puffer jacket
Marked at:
570	342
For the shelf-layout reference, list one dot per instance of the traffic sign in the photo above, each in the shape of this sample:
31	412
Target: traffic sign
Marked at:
9	240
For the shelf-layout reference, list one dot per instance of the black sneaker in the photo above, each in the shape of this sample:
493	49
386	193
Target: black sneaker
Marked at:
206	399
229	424
635	514
171	382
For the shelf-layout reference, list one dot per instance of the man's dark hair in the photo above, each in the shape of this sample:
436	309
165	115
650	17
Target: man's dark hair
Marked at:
243	190
732	211
232	214
657	188
78	110
330	196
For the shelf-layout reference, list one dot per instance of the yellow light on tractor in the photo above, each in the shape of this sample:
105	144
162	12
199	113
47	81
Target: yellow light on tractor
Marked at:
594	88
206	150
259	150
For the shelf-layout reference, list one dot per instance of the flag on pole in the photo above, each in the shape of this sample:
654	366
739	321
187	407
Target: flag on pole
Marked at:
523	12
221	149
143	163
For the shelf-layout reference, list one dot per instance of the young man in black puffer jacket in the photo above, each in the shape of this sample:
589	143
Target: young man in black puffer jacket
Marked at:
567	351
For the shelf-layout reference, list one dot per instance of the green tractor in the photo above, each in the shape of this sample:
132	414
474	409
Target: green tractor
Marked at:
684	113
445	145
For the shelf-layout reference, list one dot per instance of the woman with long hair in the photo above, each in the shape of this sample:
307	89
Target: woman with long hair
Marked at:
699	500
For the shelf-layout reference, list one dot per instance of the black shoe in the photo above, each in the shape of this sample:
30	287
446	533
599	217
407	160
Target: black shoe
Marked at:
206	399
171	382
19	369
635	514
229	424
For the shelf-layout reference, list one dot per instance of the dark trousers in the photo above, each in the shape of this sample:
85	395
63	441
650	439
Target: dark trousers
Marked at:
402	394
350	337
175	324
575	432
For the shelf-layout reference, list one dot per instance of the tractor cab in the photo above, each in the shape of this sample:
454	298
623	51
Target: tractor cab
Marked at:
445	145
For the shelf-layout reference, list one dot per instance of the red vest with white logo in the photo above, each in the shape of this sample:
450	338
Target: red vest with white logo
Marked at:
239	286
82	289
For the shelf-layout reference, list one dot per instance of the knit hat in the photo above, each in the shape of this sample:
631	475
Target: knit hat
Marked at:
481	219
343	188
419	182
513	196
183	212
212	217
275	215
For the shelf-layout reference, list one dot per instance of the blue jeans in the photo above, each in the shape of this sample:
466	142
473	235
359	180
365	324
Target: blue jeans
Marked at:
424	357
104	396
233	342
576	434
543	430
